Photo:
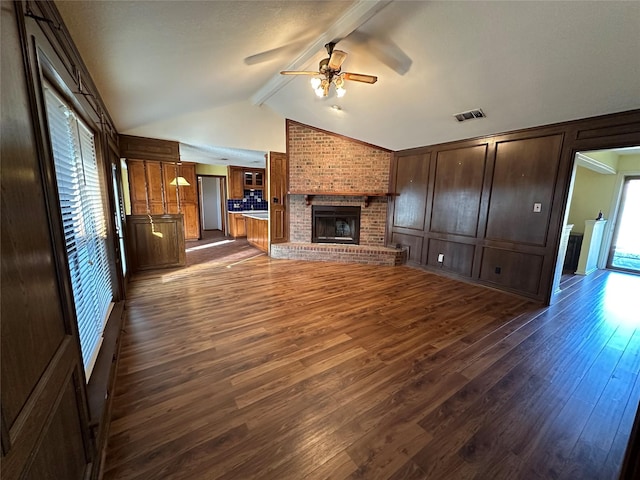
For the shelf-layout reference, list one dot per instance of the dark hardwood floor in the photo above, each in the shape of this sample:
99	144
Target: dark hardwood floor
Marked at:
240	367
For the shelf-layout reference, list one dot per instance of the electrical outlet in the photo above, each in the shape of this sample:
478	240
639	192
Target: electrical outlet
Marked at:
440	257
537	207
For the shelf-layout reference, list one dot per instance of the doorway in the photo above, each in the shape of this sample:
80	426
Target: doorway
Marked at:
597	191
211	190
625	247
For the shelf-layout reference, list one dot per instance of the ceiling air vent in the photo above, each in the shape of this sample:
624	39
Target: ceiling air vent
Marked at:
477	113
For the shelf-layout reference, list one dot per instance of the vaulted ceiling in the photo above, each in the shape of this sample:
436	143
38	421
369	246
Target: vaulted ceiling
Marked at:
206	73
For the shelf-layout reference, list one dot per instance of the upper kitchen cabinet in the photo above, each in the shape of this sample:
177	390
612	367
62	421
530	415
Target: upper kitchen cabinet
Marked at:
236	182
145	185
241	179
254	179
181	195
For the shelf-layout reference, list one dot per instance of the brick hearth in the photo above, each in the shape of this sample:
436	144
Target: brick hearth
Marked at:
323	252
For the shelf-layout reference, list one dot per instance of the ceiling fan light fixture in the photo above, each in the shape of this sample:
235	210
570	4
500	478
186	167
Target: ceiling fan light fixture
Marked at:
340	90
330	71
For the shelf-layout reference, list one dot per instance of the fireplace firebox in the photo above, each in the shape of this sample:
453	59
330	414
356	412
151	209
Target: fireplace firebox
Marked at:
335	224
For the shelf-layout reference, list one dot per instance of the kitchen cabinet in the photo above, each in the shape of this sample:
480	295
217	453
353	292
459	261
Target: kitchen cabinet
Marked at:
155	241
258	232
572	256
241	179
254	179
145	186
236	182
152	193
237	226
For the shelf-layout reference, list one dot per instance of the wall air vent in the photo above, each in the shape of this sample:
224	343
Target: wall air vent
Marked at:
477	113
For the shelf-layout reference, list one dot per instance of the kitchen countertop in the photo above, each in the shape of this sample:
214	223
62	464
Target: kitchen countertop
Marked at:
257	214
249	211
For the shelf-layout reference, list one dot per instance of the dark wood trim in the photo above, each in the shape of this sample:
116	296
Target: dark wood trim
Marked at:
118	275
367	196
615	125
48	52
144	148
36	68
57	33
102	382
333	134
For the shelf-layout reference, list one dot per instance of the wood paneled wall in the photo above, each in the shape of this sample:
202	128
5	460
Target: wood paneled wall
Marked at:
49	427
473	201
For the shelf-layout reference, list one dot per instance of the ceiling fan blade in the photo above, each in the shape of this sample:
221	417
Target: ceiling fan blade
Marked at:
283	51
337	57
298	72
360	77
384	49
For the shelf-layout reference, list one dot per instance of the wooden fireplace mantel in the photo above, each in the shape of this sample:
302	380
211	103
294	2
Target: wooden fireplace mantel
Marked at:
367	195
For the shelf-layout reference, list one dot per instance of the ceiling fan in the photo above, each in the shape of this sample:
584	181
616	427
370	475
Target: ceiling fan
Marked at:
330	69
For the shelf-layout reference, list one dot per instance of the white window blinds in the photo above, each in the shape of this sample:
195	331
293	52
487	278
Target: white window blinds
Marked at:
84	223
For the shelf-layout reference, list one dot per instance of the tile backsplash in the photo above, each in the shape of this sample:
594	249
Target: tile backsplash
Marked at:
252	201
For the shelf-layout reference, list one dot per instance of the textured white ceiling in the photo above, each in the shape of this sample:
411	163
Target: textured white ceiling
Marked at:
189	70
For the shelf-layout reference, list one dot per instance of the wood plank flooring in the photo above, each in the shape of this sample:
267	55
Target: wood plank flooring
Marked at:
243	367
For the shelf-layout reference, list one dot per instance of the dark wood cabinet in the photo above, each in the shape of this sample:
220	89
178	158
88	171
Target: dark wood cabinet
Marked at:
156	241
573	252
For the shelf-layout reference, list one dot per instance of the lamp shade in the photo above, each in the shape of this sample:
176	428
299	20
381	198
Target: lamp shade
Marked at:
181	181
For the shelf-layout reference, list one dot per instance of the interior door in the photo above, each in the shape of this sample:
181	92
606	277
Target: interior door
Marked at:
278	180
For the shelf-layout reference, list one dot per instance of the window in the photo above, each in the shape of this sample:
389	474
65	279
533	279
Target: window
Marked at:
84	223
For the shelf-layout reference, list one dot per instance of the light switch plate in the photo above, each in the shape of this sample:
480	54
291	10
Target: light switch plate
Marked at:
441	257
537	207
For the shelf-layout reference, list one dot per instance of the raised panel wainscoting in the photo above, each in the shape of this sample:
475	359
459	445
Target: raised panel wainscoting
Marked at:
490	210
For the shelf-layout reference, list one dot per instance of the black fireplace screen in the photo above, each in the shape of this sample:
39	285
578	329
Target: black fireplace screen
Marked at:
335	224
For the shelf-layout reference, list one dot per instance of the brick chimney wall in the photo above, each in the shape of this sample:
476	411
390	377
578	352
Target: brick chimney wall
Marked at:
320	161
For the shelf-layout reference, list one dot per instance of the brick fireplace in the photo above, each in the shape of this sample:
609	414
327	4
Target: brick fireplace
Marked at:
331	170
